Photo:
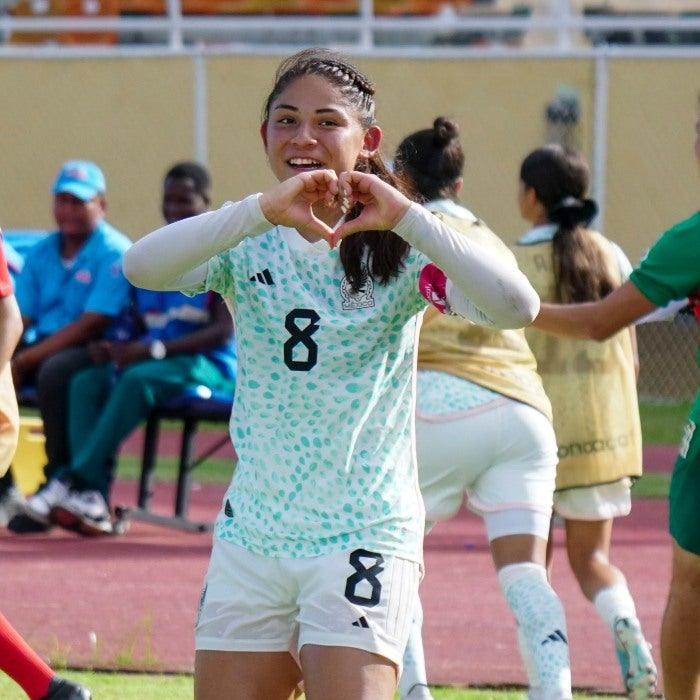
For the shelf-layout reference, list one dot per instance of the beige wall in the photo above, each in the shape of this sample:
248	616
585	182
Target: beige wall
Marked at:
131	116
135	116
500	107
652	175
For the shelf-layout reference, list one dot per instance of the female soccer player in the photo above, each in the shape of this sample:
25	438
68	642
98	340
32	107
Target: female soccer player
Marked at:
593	391
484	431
670	271
318	547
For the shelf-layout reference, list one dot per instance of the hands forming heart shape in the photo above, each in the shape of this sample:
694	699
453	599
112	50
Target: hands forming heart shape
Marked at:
314	201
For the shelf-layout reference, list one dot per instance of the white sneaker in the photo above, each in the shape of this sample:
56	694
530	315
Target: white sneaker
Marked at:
85	512
634	653
38	507
11	503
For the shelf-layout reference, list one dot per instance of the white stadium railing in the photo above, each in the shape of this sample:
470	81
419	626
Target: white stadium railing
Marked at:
558	24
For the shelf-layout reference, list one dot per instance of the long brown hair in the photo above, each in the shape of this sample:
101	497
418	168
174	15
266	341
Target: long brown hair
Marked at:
560	178
385	251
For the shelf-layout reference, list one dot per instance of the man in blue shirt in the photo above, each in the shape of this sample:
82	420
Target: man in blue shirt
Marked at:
70	292
182	342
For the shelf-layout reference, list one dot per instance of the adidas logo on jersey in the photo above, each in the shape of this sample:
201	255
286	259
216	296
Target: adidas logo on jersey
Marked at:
361	622
556	636
263	277
228	510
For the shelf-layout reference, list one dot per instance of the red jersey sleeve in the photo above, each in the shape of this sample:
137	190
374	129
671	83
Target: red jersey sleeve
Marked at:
6	287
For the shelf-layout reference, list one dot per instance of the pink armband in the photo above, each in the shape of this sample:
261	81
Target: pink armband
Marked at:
433	286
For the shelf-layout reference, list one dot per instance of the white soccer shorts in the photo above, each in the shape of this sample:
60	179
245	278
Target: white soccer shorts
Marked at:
353	598
600	502
501	457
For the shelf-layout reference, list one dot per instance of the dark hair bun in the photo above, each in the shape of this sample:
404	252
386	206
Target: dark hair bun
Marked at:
446	130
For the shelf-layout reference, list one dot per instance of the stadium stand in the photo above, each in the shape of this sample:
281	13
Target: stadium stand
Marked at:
244	9
647	9
65	8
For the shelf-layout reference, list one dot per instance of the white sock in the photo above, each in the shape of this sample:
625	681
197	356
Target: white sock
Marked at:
613	603
540	615
533	678
413	682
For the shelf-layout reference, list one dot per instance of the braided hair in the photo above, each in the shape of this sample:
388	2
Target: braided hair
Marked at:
384	250
560	177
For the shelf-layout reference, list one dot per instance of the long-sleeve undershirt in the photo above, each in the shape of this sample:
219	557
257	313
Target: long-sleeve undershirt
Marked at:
480	286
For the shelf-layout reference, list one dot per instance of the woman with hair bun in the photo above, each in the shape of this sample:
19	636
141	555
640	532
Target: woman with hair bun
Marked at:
592	387
484	432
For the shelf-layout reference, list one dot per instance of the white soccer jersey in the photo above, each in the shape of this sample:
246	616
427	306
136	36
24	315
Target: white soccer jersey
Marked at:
322	420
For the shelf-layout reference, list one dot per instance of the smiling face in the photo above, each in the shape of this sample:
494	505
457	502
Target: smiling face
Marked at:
312	126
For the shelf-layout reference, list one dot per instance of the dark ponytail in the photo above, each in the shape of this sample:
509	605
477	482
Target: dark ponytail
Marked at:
560	177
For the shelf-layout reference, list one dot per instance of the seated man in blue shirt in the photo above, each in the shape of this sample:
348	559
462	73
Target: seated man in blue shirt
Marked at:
70	292
185	341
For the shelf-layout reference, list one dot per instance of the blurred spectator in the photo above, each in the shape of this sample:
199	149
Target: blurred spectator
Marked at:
184	341
71	291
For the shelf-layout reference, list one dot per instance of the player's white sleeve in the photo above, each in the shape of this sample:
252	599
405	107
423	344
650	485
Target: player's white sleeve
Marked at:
481	286
175	256
664	313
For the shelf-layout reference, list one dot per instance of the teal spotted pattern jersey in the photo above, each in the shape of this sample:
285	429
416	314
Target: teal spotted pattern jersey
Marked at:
442	395
322	421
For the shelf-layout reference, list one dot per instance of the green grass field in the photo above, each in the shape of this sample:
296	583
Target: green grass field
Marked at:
116	686
660	425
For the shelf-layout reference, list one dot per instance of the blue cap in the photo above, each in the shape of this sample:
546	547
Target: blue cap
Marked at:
81	178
